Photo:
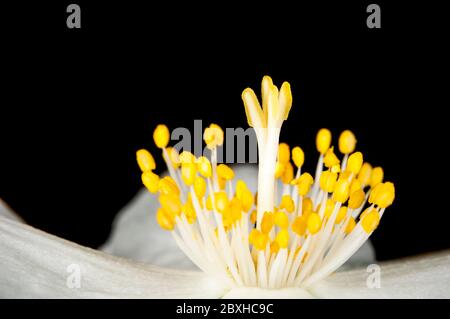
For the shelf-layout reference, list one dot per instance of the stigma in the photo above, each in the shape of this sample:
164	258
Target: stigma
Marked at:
296	229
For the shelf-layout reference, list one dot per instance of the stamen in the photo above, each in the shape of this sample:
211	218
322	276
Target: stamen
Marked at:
376	177
256	239
161	136
347	143
145	160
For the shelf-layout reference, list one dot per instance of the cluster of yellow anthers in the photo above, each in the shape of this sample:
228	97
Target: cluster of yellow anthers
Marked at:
295	230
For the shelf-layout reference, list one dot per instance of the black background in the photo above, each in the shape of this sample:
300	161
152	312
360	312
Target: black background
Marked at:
280	308
77	104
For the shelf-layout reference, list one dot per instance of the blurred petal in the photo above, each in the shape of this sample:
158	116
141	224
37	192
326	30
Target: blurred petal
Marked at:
6	211
38	265
362	258
426	276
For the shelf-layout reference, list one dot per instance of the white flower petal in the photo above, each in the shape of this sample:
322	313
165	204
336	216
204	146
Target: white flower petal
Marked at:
426	276
7	212
34	264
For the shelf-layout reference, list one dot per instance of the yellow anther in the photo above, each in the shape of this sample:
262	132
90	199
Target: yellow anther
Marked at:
376	177
246	198
365	212
306	213
385	195
341	214
304	184
314	223
174	157
236	209
171	180
279	169
145	160
199	187
330	160
171	204
374	193
307	205
274	247
282	238
225	172
355	185
222	182
364	174
209	203
213	136
221	201
288	174
281	220
204	166
161	136
260	240
287	203
335	168
299	225
188	173
241	187
227	218
189	210
323	140
165	220
347	142
298	156
345	175
168	186
253	216
356	199
267	222
150	181
370	221
341	190
355	162
329	206
186	157
350	226
328	181
284	153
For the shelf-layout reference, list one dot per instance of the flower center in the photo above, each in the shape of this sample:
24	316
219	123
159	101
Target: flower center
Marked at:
295	230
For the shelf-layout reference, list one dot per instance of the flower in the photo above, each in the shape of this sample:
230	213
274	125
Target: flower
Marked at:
264	241
34	264
285	248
